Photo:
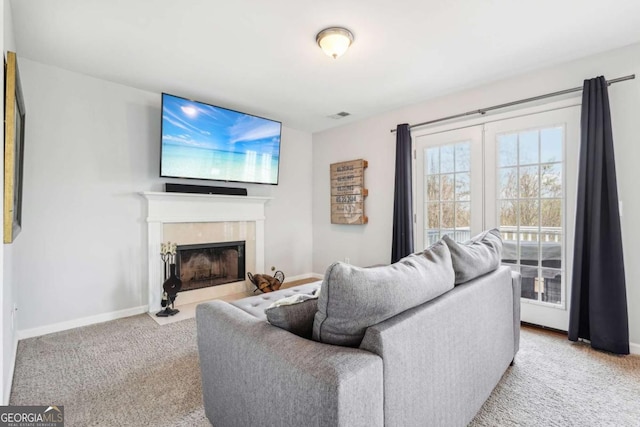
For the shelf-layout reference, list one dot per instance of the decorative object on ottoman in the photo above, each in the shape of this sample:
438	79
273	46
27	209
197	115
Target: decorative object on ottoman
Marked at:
172	283
266	283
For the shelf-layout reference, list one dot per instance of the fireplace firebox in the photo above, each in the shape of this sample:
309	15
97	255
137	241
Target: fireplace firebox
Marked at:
210	264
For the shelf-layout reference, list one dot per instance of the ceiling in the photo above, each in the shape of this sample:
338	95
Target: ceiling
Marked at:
260	56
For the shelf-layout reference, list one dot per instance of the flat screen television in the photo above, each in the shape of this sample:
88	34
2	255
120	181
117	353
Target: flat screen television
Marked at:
202	141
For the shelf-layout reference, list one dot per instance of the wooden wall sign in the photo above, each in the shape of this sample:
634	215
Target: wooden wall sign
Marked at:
348	192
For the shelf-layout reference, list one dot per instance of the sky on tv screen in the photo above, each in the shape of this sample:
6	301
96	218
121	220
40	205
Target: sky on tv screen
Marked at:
206	142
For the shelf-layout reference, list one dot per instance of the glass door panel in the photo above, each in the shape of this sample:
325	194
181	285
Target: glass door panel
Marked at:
449	190
532	161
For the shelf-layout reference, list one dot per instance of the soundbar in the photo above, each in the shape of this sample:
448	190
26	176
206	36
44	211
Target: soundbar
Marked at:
204	189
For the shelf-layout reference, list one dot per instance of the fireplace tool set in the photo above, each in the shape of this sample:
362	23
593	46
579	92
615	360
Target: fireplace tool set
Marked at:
172	283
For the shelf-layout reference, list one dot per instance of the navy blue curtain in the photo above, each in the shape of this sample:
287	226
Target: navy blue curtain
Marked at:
402	243
598	310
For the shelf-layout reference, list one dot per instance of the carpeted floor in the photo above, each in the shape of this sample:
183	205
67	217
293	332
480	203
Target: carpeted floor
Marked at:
133	372
555	382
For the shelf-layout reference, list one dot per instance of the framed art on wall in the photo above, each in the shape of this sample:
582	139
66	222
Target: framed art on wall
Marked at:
13	149
348	192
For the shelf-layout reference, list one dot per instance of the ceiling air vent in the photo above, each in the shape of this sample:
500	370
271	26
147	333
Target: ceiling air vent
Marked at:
340	115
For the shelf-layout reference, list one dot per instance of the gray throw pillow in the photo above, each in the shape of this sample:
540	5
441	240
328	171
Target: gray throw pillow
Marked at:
354	298
475	257
296	318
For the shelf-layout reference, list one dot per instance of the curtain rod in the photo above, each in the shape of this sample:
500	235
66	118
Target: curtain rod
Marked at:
520	101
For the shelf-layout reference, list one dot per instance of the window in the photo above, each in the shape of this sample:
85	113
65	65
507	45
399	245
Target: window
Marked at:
448	191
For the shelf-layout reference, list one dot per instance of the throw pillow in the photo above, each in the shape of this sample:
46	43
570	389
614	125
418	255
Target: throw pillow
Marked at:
294	314
354	298
476	257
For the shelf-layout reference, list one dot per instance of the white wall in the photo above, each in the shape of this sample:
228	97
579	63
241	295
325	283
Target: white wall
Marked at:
91	146
288	229
363	244
370	139
8	294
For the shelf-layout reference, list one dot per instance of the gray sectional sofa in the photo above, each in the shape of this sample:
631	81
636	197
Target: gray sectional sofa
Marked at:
433	364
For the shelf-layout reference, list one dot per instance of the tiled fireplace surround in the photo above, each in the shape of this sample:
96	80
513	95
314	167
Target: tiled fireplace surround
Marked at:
202	218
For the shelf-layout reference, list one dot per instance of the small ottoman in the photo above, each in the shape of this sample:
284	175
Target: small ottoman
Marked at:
255	305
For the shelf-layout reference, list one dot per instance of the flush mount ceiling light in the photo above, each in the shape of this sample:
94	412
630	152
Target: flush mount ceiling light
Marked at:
334	41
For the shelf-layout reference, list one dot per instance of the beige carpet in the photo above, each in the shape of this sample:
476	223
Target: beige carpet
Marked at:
133	372
555	382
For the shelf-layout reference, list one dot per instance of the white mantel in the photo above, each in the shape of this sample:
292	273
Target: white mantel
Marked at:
165	208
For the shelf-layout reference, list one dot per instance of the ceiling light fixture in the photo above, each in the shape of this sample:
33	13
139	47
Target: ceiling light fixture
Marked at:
334	41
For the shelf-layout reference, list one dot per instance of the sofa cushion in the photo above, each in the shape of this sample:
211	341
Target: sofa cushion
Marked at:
475	257
354	298
294	314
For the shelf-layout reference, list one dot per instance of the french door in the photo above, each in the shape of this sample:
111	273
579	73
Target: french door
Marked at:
449	179
518	175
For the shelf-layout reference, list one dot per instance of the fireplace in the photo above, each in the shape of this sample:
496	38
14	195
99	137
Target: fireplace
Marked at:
196	219
210	264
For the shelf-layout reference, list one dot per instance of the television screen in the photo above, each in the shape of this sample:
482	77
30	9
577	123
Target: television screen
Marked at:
203	141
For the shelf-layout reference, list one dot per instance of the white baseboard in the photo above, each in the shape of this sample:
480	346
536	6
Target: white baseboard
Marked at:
76	323
304	276
12	368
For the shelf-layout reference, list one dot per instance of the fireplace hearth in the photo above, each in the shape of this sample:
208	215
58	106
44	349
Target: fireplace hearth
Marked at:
210	264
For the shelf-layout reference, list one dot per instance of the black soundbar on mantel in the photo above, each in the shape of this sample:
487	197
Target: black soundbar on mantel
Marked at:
204	189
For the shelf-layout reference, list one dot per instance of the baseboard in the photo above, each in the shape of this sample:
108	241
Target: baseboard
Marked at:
12	368
76	323
304	276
